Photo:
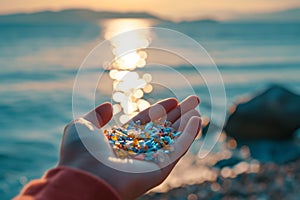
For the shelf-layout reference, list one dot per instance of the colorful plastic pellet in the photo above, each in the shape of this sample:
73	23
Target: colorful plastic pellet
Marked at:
147	142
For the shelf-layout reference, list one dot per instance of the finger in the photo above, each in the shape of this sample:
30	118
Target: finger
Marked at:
100	115
187	137
181	123
186	105
156	111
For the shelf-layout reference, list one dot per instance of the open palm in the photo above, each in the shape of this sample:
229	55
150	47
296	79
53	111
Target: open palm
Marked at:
84	148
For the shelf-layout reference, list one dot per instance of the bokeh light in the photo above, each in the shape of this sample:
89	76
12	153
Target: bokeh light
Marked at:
129	87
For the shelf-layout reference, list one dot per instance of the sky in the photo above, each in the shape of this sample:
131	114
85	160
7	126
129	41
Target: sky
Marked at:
173	9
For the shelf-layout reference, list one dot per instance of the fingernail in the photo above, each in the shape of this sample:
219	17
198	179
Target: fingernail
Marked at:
199	125
198	99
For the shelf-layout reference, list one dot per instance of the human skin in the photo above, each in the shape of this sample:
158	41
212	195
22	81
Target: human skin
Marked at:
184	117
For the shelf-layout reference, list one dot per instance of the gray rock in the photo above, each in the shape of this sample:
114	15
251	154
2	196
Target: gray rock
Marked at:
273	114
279	152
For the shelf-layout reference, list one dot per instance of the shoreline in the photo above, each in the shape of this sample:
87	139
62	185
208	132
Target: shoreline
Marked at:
272	181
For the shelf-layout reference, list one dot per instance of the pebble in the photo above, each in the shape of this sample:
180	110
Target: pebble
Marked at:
272	181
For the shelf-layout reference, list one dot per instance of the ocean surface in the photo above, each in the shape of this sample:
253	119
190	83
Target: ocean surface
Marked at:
39	64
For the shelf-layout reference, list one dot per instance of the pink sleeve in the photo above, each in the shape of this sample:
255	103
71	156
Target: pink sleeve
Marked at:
67	183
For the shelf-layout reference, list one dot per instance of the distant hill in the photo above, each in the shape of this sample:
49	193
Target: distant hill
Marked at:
69	16
201	21
291	15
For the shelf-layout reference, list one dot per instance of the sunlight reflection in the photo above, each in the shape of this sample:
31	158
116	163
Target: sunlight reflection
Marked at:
128	86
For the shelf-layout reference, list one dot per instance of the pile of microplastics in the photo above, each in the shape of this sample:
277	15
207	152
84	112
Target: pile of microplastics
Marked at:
147	142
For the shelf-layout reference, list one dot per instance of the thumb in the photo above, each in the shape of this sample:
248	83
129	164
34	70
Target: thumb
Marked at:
101	115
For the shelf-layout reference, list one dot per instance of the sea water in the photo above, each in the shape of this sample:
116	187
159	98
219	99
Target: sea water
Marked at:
39	64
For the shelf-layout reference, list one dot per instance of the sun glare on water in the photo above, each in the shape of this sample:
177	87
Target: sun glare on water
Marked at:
129	86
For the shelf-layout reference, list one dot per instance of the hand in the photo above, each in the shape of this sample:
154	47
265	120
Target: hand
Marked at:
74	154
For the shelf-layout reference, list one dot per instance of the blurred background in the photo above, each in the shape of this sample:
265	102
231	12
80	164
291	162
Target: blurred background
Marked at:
255	44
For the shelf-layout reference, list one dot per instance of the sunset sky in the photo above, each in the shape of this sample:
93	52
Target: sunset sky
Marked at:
175	9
